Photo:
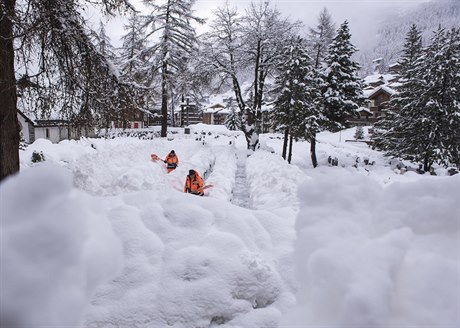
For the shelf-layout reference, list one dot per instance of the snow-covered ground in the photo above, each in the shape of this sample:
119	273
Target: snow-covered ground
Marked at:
99	235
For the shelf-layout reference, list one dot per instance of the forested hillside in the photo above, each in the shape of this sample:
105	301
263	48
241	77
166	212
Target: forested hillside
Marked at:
392	30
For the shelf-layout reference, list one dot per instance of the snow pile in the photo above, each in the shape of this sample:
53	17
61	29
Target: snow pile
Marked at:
272	181
374	248
190	262
373	256
56	248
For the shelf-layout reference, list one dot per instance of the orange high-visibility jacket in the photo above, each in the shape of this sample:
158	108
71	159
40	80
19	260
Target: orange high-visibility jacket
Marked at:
194	184
172	161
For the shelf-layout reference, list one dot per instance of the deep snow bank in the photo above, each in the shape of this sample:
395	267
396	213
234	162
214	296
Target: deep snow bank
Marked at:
378	256
193	262
56	248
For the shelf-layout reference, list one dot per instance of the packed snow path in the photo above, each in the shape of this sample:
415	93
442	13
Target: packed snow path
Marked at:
240	191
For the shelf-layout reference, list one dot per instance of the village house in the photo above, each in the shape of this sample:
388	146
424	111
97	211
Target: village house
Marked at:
135	119
189	113
215	114
54	130
379	88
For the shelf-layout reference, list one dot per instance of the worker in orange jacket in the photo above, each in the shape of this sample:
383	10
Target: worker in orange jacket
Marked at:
194	183
172	161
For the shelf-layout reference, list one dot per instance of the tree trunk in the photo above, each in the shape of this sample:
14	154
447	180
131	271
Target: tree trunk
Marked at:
252	139
426	164
291	138
9	125
285	142
314	161
164	101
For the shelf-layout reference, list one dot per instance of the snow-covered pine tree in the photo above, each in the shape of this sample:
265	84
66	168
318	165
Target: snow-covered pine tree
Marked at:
171	22
359	133
424	122
233	119
389	129
342	88
320	37
437	121
296	111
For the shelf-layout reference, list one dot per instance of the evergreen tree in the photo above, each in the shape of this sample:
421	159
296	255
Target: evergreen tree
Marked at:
341	88
426	128
359	133
320	37
296	111
390	127
172	23
233	120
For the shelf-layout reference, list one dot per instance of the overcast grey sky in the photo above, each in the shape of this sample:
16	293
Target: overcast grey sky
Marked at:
363	15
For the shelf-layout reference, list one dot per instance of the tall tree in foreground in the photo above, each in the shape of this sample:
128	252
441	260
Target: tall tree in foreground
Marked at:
172	24
9	126
342	88
53	34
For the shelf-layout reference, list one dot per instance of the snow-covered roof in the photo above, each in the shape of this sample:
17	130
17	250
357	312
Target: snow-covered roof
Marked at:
368	91
364	109
216	106
383	88
379	78
220	110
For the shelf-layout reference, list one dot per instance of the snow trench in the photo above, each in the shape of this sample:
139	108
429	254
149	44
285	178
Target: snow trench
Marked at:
240	194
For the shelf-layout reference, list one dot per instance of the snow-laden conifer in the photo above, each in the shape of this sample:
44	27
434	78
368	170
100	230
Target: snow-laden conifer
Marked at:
424	123
342	88
296	110
392	125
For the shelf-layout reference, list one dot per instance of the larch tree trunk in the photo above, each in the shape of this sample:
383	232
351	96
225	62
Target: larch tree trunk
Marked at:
291	140
9	125
164	102
285	142
314	161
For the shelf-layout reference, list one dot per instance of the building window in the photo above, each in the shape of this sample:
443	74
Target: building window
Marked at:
47	133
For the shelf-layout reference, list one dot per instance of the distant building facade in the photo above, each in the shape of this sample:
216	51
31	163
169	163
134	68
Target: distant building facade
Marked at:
54	130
